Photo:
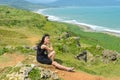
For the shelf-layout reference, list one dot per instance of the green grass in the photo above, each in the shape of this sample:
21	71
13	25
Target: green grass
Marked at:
35	74
16	26
95	38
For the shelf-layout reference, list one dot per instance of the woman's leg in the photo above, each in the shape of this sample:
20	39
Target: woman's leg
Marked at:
57	65
51	55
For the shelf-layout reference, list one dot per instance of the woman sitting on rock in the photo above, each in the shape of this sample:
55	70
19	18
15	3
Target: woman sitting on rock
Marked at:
46	54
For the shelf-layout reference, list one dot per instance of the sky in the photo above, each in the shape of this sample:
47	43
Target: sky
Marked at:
41	1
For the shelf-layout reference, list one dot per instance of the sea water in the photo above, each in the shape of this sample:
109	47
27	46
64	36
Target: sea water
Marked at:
105	18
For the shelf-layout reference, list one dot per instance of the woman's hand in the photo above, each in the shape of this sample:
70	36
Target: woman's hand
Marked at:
49	47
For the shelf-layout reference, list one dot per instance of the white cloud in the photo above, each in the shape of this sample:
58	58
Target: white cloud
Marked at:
41	1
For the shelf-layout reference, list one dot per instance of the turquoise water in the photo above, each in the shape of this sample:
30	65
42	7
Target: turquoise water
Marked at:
98	18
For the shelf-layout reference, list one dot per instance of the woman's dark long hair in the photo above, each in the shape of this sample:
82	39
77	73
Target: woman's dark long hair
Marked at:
43	38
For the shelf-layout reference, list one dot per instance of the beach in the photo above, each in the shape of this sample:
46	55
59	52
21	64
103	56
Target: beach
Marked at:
83	26
89	20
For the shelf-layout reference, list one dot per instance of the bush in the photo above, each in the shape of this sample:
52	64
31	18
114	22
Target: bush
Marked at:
3	50
34	74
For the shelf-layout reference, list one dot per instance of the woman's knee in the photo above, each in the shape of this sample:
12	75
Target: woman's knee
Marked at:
53	53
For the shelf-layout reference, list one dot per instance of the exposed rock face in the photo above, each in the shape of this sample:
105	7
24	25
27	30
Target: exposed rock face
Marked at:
64	35
85	56
64	48
34	47
67	34
22	74
82	56
90	57
48	74
24	70
26	47
109	55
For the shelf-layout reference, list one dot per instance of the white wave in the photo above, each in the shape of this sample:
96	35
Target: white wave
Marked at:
114	31
93	27
50	17
54	18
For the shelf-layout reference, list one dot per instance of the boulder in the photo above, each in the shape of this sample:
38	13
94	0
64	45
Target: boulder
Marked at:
82	56
20	64
34	47
64	35
26	47
45	73
85	56
23	73
109	55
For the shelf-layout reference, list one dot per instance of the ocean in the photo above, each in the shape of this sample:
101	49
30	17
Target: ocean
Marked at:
105	18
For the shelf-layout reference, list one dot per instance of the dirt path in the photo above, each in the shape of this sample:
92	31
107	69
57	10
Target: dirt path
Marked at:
78	76
10	59
81	76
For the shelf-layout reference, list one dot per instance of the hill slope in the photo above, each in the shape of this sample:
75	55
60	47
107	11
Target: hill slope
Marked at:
20	30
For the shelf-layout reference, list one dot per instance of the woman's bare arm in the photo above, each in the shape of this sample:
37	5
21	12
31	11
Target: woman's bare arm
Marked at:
50	48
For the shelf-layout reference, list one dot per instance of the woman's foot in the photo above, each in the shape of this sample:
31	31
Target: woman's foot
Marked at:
70	69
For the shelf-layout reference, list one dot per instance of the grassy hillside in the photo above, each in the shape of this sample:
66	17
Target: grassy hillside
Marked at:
20	27
94	38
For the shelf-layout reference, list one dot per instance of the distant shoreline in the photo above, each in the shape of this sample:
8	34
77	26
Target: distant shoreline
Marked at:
85	27
88	29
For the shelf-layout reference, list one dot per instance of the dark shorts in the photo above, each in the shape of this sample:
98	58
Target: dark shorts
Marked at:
44	60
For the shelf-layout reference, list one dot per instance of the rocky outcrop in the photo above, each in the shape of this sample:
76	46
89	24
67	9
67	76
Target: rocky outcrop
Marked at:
85	56
82	56
45	73
24	70
109	56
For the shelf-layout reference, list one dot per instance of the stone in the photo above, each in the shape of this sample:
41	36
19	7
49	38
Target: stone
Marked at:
20	64
24	71
67	34
64	48
26	47
90	57
33	65
54	76
8	47
82	56
109	55
75	38
118	56
46	17
34	47
78	43
48	74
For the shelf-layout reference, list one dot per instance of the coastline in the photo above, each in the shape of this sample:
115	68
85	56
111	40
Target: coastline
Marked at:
85	27
88	29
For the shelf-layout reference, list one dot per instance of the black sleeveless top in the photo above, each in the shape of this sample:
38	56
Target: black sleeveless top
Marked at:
42	56
41	52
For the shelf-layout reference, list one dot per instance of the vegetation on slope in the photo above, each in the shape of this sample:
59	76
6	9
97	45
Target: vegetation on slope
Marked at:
18	26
